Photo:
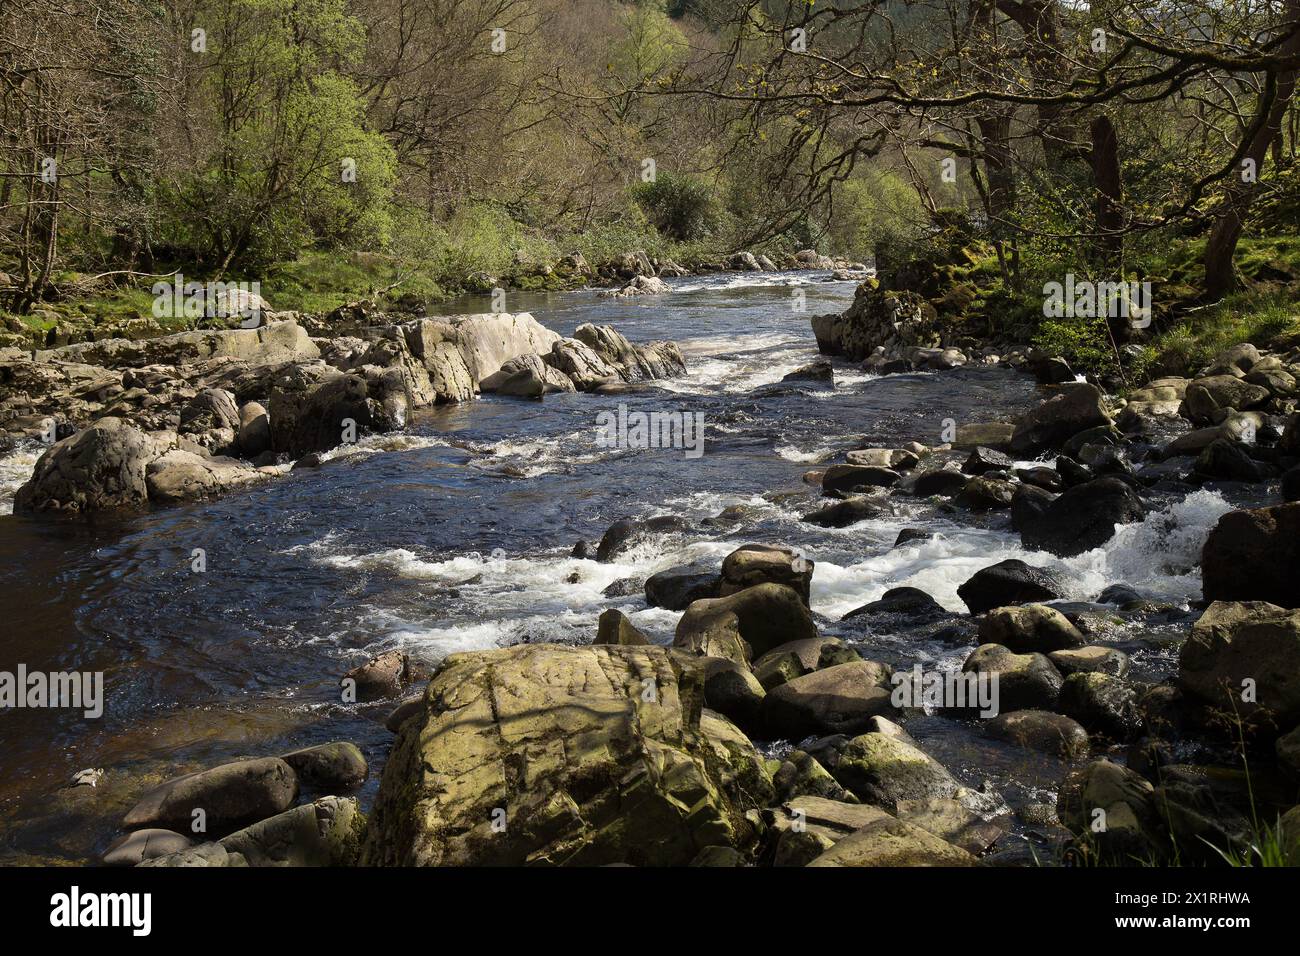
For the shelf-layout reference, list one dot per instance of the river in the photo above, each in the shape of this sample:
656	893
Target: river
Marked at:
456	535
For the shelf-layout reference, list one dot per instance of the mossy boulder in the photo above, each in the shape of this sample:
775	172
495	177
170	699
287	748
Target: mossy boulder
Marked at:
546	754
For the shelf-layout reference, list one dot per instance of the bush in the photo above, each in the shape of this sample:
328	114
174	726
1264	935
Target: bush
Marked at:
679	206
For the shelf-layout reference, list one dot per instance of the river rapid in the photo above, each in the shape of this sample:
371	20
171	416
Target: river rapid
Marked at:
457	535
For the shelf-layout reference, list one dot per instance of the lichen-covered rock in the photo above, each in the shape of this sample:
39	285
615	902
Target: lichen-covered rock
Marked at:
1033	627
1042	731
884	768
557	755
327	832
764	617
891	321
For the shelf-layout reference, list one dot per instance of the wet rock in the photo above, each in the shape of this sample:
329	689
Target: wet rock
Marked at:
1087	660
99	468
1236	647
1082	518
254	435
816	372
1030	628
1118	595
1006	583
895	459
1028	505
1254	555
986	494
1291	484
327	832
148	844
763	617
615	628
202	855
403	712
909	535
943	482
1075	409
838	700
676	588
951	822
1229	460
380	677
1042	477
890	842
1042	731
842	514
623	536
314	408
624	587
230	794
849	478
763	564
983	460
994	435
1104	704
584	770
328	768
1025	681
184	476
912	604
1287	748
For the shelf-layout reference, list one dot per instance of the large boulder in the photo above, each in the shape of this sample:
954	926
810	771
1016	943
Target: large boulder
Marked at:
185	476
890	321
545	754
624	535
763	617
1245	659
1207	399
1081	518
1033	627
1254	555
677	588
331	767
1006	583
763	564
891	842
1114	811
1102	703
1024	681
488	341
228	795
883	769
1041	730
98	468
634	363
838	700
311	407
1075	409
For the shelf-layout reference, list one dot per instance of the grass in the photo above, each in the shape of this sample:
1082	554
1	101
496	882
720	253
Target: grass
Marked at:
1269	319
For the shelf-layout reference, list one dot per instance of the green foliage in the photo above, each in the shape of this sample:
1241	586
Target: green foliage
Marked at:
681	207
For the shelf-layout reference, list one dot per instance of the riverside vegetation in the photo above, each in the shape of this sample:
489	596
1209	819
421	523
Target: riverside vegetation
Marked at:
757	728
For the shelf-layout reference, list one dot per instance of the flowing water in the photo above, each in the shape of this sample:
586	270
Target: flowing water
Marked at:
457	535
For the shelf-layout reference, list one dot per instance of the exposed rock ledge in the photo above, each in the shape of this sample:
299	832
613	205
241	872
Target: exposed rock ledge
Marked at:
197	413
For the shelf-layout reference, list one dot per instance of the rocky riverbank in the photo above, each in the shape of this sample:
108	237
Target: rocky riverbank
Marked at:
195	414
763	732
